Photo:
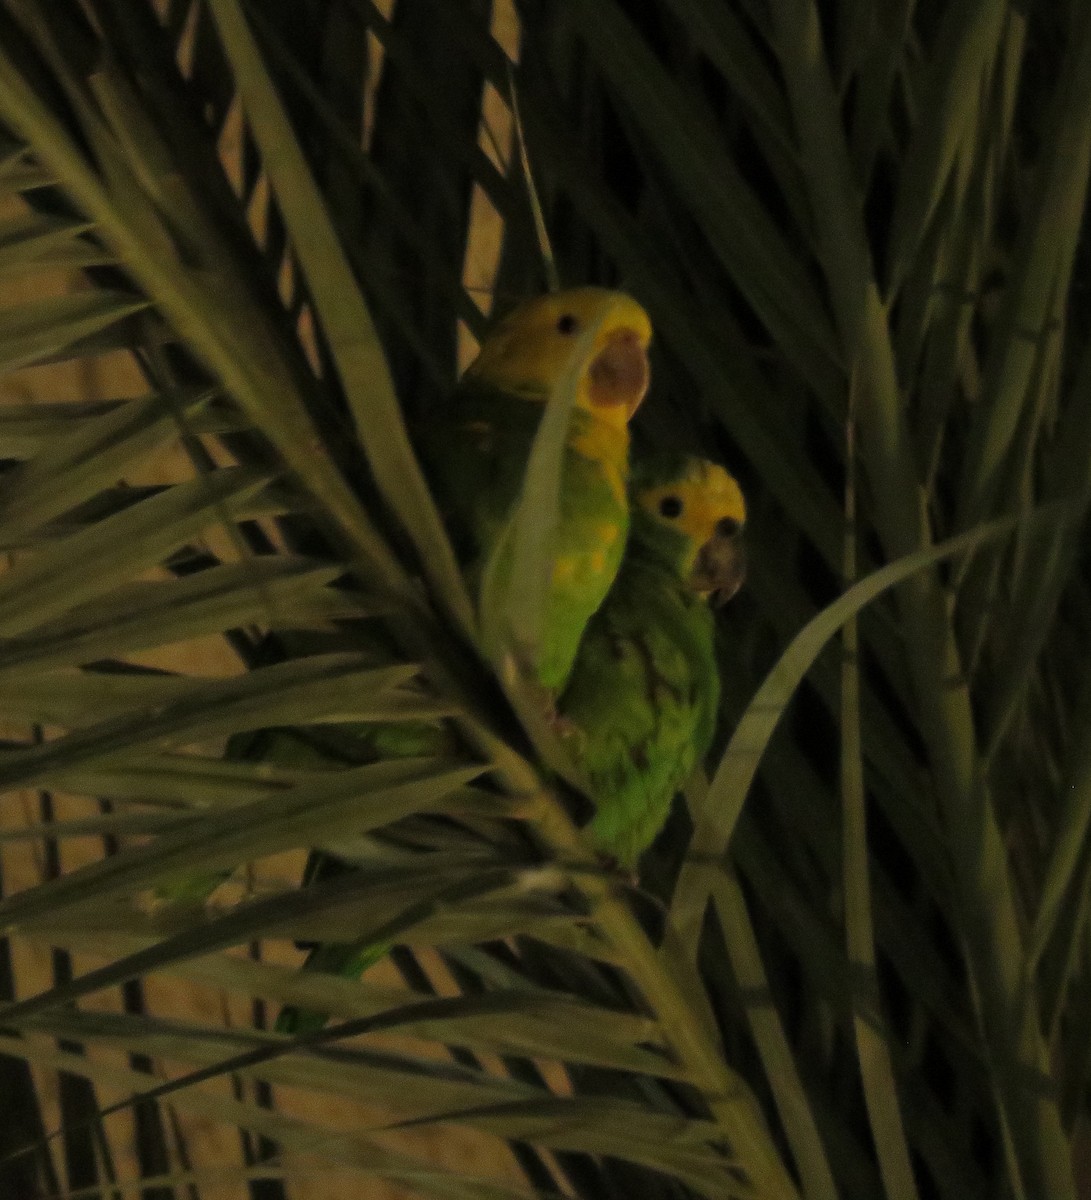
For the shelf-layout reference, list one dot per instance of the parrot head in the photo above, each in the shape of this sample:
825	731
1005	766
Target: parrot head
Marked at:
693	512
531	349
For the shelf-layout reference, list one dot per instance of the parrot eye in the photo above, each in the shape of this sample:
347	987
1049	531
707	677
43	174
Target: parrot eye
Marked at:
727	527
567	324
670	507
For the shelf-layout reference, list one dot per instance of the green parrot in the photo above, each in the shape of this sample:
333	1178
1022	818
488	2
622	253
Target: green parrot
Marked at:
639	710
476	452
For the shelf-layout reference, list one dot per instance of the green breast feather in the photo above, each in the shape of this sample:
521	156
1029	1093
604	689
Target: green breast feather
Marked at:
480	476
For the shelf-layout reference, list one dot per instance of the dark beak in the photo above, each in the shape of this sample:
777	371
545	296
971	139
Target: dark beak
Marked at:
720	568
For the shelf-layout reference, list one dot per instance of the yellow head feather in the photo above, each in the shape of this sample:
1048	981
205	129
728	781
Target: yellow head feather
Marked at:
696	501
529	351
699	502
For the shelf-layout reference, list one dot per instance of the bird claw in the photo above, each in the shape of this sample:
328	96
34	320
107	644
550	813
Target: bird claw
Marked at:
561	726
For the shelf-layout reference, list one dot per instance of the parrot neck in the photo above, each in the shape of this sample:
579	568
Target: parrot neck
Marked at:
598	434
612	416
600	440
654	543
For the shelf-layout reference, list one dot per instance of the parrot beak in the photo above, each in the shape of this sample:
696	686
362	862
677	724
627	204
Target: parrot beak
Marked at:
720	568
619	373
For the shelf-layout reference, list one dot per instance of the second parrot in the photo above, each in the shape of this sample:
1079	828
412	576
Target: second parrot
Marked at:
639	711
